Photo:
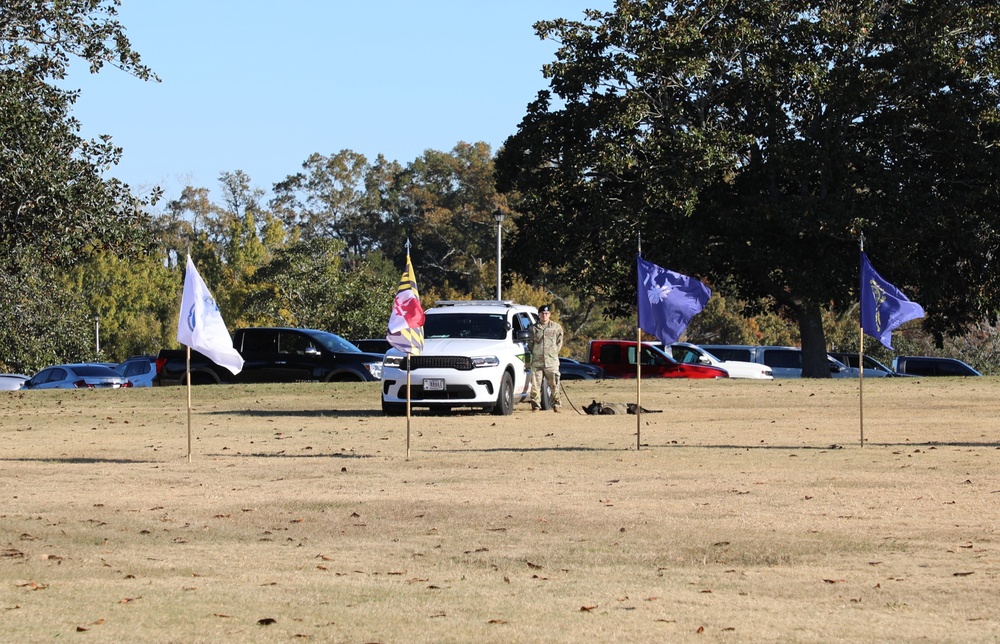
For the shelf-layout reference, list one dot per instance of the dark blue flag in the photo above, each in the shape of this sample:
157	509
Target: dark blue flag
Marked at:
883	307
668	301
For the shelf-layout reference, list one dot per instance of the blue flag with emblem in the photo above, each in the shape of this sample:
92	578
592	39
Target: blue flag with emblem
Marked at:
883	306
668	301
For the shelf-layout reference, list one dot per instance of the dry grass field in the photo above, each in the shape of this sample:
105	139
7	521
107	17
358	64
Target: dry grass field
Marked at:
750	513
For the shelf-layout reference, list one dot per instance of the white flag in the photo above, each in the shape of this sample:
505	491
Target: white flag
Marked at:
200	325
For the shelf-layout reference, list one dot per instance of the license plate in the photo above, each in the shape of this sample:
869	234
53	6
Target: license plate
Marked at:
433	384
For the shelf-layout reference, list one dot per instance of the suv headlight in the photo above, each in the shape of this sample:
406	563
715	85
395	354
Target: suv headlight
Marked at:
485	361
375	369
393	361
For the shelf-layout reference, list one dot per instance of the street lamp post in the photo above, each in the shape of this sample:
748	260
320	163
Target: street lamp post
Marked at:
97	333
498	216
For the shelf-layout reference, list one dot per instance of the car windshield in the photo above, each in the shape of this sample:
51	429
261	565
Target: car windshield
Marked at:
333	342
482	326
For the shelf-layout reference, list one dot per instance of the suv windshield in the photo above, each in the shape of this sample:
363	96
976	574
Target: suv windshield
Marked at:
481	326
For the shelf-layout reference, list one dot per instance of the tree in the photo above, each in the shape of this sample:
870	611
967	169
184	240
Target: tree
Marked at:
455	198
327	199
747	141
56	207
308	284
137	300
54	201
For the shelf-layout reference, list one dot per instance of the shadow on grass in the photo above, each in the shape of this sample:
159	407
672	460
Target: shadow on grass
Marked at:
343	413
79	460
285	455
847	445
300	413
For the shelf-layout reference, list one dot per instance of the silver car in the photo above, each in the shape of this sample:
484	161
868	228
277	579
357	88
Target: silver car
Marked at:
11	381
77	376
138	370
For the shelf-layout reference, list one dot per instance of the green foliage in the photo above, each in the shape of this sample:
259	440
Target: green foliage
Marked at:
137	301
54	203
41	325
309	284
56	207
747	141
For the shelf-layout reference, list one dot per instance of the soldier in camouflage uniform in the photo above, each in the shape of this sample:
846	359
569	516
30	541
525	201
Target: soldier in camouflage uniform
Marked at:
545	343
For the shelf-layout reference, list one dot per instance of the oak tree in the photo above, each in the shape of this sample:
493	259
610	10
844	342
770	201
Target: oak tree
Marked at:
750	140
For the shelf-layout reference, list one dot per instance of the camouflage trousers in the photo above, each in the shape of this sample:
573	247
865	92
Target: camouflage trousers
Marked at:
552	377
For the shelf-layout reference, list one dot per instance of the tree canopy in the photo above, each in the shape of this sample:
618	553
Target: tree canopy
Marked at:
748	142
56	206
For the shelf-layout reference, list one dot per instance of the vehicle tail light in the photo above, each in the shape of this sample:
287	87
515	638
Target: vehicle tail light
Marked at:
83	384
127	383
160	363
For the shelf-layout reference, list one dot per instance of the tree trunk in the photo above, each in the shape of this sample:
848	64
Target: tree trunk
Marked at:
815	363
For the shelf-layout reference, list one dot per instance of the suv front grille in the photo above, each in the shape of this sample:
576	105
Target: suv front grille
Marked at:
459	363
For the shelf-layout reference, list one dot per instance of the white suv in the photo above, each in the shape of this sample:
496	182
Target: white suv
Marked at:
475	355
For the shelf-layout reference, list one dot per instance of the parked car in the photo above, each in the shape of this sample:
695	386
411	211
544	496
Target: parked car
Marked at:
688	353
873	368
373	345
617	358
785	362
570	369
139	370
12	381
77	376
932	366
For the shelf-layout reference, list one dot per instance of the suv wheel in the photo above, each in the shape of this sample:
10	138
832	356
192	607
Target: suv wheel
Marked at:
505	397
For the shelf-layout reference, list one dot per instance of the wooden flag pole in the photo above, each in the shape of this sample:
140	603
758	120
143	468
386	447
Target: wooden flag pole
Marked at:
408	356
188	378
638	358
861	356
638	388
861	386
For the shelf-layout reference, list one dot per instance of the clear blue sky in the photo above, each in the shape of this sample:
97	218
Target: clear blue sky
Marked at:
258	85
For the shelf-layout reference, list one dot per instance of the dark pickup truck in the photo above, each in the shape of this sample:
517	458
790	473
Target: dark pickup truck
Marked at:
274	354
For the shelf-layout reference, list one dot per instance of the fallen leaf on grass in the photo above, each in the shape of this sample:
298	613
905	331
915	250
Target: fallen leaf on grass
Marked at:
129	600
962	574
497	621
267	621
32	585
587	609
834	581
84	629
533	566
